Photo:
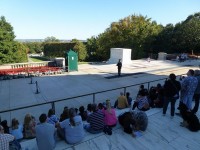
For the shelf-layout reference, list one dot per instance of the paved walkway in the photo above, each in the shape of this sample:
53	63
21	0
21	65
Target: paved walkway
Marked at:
162	132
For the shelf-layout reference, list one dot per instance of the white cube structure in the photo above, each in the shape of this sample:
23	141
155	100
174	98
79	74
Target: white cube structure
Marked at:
162	56
120	53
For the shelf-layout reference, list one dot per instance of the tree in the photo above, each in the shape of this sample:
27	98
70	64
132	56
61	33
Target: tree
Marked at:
80	48
10	50
187	34
34	47
135	32
91	47
6	30
51	39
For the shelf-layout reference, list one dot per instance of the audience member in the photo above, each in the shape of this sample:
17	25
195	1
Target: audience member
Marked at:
129	99
171	92
4	123
73	128
45	134
29	127
159	101
52	118
188	87
152	96
89	109
110	118
65	114
142	90
133	121
95	120
121	102
141	102
100	106
16	130
83	113
197	92
5	139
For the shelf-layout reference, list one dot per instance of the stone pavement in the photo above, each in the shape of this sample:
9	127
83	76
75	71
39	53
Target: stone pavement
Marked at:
90	78
162	132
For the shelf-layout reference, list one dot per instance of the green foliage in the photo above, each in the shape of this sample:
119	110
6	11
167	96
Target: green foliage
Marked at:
6	30
34	47
51	39
52	50
187	34
81	49
183	37
135	32
10	50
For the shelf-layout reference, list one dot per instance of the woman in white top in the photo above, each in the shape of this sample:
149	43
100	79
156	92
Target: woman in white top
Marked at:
16	130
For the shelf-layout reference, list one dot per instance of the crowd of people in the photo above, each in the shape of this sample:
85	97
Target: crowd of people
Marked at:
73	123
71	126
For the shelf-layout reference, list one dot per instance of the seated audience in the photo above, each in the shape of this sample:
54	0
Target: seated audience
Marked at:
5	139
121	102
133	121
159	100
16	130
45	134
110	118
142	90
52	118
83	113
73	128
89	109
4	123
95	120
152	96
141	102
65	114
129	99
100	106
29	126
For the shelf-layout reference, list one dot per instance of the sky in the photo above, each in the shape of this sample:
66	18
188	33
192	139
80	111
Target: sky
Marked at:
82	19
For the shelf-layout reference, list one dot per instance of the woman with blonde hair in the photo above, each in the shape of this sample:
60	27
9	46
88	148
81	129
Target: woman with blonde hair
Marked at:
29	126
110	118
17	130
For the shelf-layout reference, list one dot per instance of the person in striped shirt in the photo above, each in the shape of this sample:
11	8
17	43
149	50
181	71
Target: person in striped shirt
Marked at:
95	120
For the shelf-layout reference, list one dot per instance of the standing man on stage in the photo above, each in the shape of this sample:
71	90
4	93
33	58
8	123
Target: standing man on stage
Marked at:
119	67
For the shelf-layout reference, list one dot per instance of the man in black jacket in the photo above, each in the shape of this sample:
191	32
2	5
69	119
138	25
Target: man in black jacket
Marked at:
171	93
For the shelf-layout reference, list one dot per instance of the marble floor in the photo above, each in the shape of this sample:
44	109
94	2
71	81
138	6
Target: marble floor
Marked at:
162	132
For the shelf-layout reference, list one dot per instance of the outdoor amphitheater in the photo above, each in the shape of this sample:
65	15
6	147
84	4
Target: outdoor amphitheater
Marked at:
94	83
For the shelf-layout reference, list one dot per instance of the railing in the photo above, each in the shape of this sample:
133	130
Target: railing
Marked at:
52	103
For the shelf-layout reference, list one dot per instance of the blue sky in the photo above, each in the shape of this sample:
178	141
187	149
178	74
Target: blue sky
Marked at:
81	19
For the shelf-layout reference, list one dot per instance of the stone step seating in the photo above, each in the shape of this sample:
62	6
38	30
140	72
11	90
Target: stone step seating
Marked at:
62	145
